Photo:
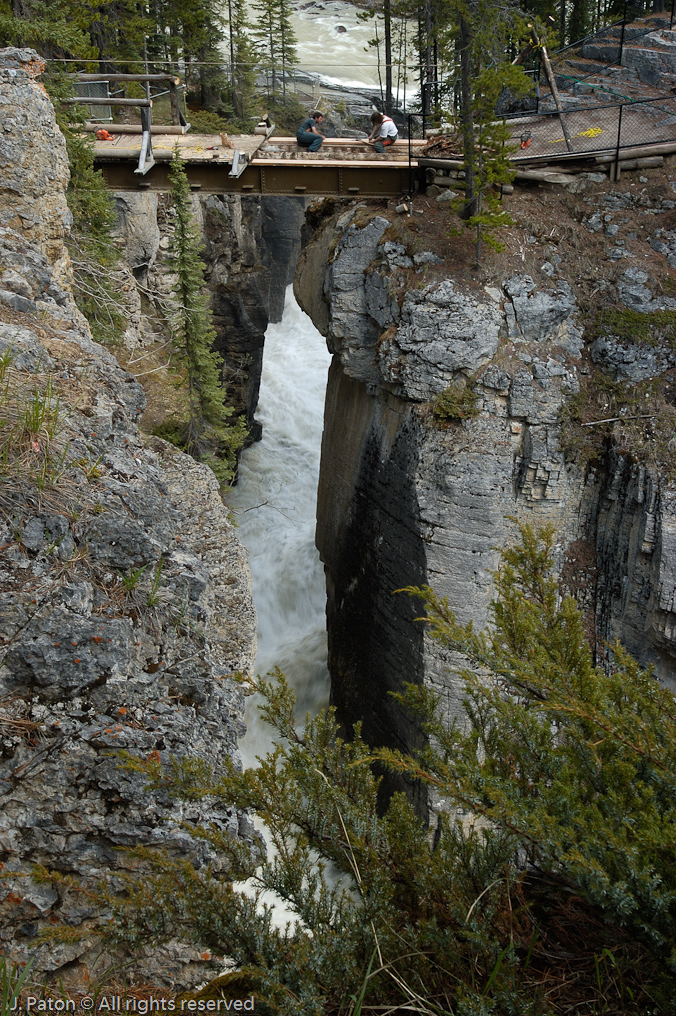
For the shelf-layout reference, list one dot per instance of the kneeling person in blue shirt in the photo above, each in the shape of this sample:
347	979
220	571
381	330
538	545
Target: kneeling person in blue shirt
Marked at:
308	136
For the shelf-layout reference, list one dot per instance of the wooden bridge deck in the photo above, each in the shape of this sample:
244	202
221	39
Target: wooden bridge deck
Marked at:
272	166
346	167
196	148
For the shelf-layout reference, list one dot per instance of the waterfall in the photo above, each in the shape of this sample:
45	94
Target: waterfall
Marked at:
275	501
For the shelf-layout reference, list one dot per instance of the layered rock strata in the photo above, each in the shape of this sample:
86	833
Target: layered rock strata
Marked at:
404	499
126	605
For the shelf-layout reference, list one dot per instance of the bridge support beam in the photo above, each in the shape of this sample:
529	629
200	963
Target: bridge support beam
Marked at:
266	177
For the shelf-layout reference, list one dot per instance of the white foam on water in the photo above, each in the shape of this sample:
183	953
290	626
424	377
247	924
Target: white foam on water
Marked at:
275	501
333	42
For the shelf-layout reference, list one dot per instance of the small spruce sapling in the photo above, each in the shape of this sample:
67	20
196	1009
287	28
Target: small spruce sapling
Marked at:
482	31
207	433
492	149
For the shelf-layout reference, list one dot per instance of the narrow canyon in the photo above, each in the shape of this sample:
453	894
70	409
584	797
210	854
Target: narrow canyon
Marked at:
408	494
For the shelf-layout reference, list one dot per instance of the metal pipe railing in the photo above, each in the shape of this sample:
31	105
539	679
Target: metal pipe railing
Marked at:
92	100
146	159
82	76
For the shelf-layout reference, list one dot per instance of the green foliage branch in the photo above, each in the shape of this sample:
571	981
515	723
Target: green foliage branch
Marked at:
549	881
577	763
482	34
370	920
50	27
95	258
207	433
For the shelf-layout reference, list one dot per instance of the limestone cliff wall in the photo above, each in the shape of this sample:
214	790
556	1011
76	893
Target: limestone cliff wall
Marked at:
404	500
125	595
251	248
33	177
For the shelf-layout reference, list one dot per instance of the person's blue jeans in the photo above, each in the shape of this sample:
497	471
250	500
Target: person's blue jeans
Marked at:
313	142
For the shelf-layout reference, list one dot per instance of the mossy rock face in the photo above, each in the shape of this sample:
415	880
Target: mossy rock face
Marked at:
637	419
632	326
457	402
239	985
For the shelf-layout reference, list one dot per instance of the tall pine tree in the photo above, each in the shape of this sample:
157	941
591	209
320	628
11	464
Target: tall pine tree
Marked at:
52	28
207	433
242	70
275	42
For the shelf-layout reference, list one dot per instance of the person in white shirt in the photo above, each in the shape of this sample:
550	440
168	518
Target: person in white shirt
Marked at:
384	132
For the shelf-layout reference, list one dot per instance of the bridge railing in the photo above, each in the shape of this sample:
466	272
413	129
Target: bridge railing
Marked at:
632	12
146	160
99	89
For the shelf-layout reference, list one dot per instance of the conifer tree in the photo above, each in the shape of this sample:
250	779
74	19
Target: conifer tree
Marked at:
480	32
206	434
274	39
118	34
242	71
52	28
549	884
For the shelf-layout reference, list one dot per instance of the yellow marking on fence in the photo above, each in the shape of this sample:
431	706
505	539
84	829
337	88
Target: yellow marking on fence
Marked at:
591	132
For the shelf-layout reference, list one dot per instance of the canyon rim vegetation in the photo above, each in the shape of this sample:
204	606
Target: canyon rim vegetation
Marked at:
548	880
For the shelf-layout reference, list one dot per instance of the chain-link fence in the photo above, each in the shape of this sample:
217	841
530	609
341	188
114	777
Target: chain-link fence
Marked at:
621	31
607	44
95	90
595	129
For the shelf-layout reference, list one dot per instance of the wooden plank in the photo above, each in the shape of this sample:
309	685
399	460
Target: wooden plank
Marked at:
639	152
348	142
129	128
126	154
366	164
89	100
441	163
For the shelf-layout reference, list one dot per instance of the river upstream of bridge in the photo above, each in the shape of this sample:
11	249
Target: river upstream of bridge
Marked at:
333	43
